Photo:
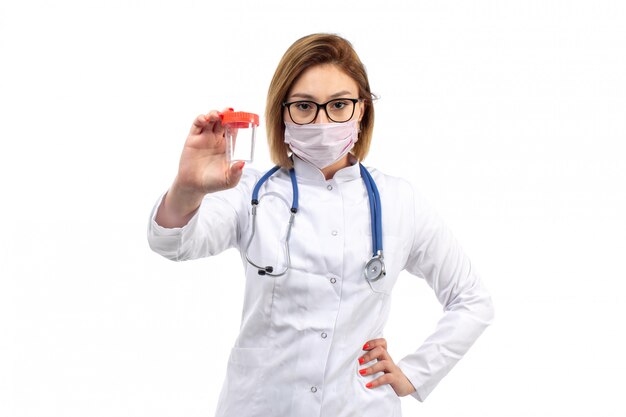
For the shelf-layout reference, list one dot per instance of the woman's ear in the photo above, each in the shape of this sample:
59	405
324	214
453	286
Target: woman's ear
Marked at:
362	105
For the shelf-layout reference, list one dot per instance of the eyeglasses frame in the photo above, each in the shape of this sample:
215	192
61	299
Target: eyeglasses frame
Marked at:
323	105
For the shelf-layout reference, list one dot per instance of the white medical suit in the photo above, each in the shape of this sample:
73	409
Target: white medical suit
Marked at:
302	333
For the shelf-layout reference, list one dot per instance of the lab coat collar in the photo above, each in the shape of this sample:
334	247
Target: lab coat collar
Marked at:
309	172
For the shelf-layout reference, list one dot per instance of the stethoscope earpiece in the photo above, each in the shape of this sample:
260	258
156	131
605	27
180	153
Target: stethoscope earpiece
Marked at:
266	270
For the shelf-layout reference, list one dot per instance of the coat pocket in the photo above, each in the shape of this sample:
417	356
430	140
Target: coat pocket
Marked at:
246	376
373	402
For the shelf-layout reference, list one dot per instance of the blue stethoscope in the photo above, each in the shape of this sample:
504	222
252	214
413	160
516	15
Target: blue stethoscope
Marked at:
374	268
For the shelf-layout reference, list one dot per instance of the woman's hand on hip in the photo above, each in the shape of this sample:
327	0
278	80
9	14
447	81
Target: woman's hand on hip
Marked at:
377	349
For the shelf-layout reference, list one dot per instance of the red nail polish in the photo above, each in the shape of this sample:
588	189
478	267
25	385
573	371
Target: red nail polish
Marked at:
368	385
361	360
242	165
362	371
366	346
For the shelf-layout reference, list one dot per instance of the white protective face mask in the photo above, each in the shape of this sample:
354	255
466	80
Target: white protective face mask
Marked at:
321	144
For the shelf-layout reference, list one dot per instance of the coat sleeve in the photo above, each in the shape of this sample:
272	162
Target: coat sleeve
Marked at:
437	257
216	226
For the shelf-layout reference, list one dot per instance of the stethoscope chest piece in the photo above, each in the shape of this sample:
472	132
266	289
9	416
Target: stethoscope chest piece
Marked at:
375	268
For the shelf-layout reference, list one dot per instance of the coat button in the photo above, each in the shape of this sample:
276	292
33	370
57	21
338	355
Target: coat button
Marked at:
314	389
334	233
333	280
324	335
330	187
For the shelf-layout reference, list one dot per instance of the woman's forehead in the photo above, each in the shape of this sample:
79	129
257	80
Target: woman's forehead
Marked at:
323	82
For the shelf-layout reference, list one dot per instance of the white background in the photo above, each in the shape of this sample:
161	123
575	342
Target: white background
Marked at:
509	116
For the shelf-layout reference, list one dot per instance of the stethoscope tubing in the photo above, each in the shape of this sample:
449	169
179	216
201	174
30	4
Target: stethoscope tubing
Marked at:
375	264
269	270
375	210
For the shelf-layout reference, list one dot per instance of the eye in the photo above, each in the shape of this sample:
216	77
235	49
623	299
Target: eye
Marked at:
340	104
303	106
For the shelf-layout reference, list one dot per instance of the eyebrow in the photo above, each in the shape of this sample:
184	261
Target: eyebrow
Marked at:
310	97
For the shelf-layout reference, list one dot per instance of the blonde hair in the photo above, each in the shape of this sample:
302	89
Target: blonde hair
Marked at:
311	50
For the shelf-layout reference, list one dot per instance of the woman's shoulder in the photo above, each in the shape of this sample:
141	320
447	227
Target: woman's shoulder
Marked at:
400	189
390	183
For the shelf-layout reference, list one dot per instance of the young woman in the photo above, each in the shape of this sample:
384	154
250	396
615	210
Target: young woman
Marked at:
322	241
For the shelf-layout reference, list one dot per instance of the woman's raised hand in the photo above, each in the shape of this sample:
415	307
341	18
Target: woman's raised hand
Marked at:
203	169
203	166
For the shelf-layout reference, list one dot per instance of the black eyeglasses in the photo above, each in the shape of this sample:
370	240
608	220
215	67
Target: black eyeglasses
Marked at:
338	110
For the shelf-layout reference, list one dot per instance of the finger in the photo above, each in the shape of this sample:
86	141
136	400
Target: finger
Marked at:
375	342
376	353
381	380
204	122
198	125
215	118
380	366
235	172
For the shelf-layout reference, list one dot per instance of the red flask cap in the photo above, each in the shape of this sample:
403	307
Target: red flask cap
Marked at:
239	119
